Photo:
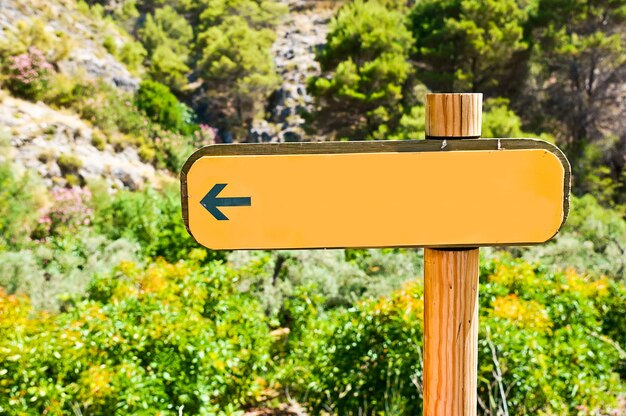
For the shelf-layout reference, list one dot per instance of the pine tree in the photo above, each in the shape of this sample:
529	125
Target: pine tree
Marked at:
365	72
466	45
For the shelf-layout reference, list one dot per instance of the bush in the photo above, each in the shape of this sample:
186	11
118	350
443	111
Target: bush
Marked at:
172	149
500	121
593	240
110	110
29	74
146	153
98	140
556	347
163	340
52	271
110	45
69	163
363	360
160	105
20	200
132	54
35	34
151	218
556	319
67	213
340	277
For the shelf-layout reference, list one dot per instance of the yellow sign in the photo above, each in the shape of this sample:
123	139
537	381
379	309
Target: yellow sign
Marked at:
450	193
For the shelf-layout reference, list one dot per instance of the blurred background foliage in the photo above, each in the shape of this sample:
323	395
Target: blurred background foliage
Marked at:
108	306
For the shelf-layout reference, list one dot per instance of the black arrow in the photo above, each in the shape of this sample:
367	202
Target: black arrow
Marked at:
211	202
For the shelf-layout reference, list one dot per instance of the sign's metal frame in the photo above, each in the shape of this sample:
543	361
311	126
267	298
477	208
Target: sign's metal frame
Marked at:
448	145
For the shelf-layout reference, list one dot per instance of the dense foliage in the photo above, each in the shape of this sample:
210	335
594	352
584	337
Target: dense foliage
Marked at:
558	65
367	51
161	105
108	306
125	346
156	341
213	53
546	339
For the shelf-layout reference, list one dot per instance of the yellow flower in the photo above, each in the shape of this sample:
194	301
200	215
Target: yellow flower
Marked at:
523	313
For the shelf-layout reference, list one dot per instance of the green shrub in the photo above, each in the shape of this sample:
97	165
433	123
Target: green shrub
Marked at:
556	347
363	360
551	338
168	68
46	156
98	140
593	240
237	68
118	142
163	340
147	153
340	277
151	218
63	91
69	163
107	108
33	34
172	149
160	105
500	121
110	45
20	201
67	212
28	74
72	180
412	125
111	110
52	270
132	54
365	71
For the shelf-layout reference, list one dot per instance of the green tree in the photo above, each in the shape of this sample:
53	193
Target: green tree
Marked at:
167	27
258	14
237	70
168	67
466	45
362	91
160	105
167	37
580	60
500	121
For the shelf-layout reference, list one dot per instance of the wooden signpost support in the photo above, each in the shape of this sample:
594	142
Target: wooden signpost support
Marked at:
451	284
448	195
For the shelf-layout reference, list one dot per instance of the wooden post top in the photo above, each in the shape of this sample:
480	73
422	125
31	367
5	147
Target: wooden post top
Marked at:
453	115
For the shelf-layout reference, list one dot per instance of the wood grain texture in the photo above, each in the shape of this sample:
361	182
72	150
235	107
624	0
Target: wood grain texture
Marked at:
451	283
450	331
453	115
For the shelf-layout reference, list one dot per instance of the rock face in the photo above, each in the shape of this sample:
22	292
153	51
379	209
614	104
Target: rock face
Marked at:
87	56
301	32
39	136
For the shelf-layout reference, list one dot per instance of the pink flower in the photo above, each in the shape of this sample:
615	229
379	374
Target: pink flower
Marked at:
69	210
29	67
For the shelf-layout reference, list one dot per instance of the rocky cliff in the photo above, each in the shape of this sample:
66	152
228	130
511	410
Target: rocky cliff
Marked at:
302	31
44	139
56	144
81	35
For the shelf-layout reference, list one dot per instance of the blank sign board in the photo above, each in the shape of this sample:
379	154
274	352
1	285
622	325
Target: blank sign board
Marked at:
453	193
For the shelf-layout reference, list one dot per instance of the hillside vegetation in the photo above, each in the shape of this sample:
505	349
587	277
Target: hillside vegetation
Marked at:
108	306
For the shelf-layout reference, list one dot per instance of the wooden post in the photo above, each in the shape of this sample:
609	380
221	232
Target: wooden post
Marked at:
451	284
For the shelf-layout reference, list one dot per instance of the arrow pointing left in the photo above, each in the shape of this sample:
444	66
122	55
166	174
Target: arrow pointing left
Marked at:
211	202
